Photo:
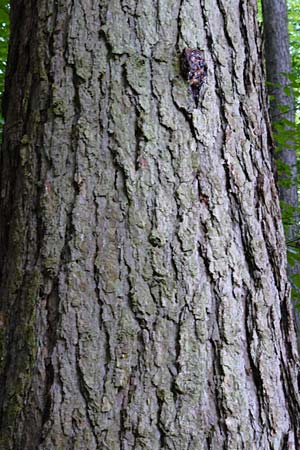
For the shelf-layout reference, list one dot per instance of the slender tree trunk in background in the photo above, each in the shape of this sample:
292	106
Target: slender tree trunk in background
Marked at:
144	299
277	57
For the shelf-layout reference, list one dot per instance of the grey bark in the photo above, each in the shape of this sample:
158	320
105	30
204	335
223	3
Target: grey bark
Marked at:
278	61
277	57
143	280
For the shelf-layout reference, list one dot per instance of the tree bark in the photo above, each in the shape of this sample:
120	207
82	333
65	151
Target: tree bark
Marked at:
144	299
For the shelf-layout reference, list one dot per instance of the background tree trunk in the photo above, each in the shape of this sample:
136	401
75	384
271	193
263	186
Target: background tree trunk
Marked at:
144	300
277	56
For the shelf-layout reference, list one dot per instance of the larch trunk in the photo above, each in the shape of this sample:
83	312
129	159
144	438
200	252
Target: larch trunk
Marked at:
144	299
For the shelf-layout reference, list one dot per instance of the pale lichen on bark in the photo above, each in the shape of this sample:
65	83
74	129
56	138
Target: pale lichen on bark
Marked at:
159	309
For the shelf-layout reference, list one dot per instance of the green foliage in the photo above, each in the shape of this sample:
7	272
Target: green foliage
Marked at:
294	34
4	37
293	7
287	136
259	11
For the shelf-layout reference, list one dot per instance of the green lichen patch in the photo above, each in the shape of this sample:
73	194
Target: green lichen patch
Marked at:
137	73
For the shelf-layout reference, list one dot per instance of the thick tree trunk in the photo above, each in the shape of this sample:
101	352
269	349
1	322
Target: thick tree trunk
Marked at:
277	56
142	253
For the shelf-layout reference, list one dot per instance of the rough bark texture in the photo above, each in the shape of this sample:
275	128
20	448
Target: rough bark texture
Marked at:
277	57
142	254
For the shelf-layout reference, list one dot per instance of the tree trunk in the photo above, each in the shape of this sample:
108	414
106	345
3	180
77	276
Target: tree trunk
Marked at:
143	284
278	63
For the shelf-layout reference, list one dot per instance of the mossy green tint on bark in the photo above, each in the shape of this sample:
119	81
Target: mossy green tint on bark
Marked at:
144	301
